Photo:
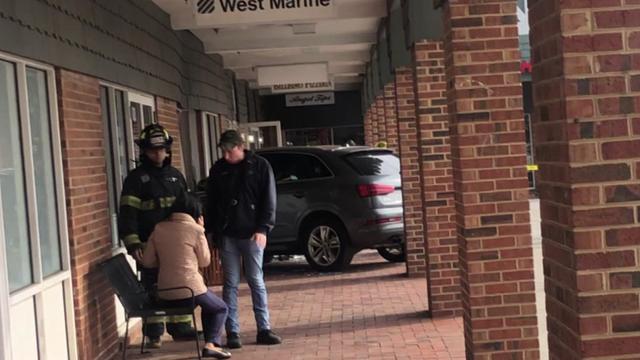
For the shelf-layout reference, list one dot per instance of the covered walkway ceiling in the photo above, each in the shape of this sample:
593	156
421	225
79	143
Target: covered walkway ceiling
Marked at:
343	40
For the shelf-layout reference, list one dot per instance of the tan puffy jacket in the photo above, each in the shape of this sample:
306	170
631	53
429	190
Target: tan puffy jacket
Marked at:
178	247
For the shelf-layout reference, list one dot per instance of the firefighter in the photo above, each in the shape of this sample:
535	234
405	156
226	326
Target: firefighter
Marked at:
148	193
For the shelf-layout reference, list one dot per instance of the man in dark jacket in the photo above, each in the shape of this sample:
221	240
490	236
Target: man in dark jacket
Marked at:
241	210
148	193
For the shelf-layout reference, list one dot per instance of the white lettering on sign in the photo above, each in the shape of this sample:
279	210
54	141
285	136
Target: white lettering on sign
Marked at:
228	12
302	87
310	99
241	5
293	4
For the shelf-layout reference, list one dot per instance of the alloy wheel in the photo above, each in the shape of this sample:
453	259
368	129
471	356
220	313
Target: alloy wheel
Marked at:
324	245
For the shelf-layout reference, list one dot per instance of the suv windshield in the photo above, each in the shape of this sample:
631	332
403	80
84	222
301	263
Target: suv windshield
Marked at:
374	163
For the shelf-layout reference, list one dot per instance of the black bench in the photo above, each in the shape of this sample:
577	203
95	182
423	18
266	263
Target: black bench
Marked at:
135	299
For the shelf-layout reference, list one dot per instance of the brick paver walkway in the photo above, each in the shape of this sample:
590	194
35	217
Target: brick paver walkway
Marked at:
371	311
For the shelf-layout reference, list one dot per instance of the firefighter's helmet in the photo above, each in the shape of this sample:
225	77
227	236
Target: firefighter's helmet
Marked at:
154	136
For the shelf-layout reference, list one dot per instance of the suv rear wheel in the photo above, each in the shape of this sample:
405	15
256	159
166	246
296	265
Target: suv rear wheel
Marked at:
392	254
326	245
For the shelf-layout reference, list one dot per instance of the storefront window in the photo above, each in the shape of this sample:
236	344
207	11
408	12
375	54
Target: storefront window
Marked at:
12	184
120	131
42	152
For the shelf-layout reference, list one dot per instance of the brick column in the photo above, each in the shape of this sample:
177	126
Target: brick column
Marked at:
437	178
87	212
586	80
391	120
382	126
368	127
375	135
410	171
488	147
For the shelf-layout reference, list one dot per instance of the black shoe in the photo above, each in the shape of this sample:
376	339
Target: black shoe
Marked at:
268	337
218	354
181	331
233	340
153	342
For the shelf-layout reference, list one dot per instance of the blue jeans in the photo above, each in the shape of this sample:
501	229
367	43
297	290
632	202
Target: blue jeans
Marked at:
232	251
213	314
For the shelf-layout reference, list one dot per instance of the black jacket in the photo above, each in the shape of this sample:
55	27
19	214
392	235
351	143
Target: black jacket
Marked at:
241	199
148	193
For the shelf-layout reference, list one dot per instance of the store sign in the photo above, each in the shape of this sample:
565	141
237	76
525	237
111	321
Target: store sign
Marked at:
292	74
310	99
230	12
302	87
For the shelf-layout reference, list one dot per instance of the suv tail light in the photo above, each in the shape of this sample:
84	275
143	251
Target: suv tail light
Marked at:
386	220
368	190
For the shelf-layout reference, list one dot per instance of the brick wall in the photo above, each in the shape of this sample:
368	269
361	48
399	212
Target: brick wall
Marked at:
167	111
368	127
391	121
410	173
586	80
382	125
375	134
488	151
87	210
437	178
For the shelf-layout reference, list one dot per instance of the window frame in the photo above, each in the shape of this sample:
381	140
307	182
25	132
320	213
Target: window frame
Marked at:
206	140
63	277
109	129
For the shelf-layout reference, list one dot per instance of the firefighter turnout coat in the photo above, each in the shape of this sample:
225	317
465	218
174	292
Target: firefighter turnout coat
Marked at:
147	196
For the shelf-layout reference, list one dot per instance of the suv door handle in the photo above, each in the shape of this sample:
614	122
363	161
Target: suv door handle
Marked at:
299	194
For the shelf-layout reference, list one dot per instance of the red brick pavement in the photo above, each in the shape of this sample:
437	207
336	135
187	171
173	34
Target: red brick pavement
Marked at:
372	311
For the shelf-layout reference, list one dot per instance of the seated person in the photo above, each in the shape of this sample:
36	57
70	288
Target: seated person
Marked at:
179	248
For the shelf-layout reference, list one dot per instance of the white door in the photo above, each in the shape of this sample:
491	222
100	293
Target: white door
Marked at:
36	304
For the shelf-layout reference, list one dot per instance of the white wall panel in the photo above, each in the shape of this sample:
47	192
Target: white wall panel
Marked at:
55	330
24	339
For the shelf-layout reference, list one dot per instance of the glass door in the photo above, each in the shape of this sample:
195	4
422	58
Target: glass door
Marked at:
35	279
258	135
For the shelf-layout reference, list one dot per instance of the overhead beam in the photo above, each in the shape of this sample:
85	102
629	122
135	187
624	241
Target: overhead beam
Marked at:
356	79
222	46
239	61
334	70
183	17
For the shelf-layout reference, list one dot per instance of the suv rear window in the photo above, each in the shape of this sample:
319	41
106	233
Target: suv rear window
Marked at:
374	163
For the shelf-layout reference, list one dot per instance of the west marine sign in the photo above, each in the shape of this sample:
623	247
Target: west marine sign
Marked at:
230	12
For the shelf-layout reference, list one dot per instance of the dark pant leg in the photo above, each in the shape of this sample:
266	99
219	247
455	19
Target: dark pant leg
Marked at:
154	326
213	315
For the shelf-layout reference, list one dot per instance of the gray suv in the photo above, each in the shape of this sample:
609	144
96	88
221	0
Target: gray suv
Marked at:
335	201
